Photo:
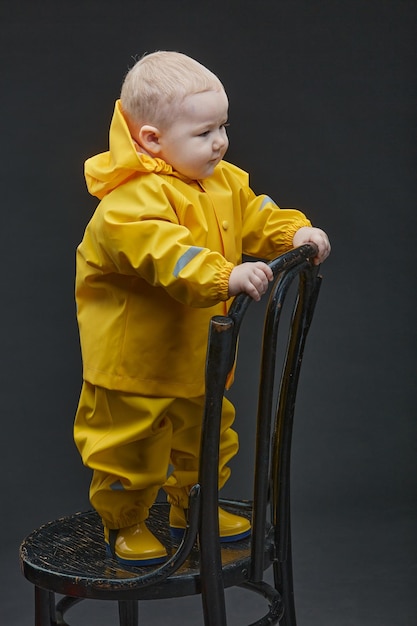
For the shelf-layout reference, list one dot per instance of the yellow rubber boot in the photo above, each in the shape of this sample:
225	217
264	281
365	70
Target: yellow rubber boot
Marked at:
232	527
134	545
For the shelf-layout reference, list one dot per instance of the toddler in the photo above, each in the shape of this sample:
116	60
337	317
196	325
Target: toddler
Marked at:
160	256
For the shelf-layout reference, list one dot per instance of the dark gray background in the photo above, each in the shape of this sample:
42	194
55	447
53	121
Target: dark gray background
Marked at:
323	115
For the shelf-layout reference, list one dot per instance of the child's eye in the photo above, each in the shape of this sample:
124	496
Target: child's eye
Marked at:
206	133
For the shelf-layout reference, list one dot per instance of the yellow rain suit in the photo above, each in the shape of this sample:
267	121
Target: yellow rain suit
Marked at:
152	269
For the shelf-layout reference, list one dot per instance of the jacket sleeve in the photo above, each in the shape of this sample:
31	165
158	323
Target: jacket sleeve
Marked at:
268	231
146	240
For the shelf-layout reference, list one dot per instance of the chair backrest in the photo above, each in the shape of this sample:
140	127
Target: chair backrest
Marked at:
274	434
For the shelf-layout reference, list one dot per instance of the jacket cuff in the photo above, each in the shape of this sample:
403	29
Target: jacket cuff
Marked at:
224	280
289	233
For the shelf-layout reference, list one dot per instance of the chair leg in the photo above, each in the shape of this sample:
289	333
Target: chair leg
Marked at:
284	584
44	601
128	613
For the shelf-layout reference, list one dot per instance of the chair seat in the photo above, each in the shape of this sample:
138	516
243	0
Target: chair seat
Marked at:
68	556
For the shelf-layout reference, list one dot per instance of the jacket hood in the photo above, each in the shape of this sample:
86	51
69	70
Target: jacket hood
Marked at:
108	170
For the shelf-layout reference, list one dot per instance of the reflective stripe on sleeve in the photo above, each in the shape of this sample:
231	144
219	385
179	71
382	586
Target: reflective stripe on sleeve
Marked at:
266	201
185	259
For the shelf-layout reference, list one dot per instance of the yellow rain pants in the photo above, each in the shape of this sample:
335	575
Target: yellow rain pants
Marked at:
130	441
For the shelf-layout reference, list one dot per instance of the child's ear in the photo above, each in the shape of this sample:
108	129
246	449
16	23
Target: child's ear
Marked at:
148	137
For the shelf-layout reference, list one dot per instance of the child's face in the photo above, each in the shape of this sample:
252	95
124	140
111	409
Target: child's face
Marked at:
196	141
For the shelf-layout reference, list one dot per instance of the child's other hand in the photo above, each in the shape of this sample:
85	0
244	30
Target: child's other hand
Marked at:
308	234
250	278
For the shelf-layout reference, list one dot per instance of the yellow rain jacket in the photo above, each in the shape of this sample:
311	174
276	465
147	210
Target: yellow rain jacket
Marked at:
154	265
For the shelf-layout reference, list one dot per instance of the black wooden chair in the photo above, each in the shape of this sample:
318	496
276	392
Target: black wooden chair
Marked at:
68	557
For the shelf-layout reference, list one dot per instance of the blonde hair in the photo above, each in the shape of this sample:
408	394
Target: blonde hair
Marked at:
156	85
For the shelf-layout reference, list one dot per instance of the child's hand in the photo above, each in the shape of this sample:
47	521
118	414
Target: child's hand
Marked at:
308	234
250	278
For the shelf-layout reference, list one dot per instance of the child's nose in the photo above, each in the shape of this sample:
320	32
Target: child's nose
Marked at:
219	140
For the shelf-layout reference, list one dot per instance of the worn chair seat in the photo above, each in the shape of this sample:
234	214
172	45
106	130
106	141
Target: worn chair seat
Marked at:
69	555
